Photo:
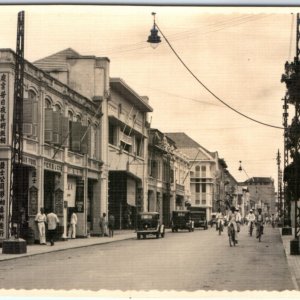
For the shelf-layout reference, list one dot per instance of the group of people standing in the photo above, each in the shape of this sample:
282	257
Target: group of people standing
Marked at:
52	221
234	218
107	226
49	223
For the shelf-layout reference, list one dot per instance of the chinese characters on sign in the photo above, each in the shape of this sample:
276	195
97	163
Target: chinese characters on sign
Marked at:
3	192
3	107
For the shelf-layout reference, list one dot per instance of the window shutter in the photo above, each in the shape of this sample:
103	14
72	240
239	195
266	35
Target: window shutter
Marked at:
84	147
64	131
27	117
35	118
48	125
56	128
76	136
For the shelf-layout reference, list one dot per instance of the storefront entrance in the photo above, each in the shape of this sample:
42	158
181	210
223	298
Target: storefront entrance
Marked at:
49	188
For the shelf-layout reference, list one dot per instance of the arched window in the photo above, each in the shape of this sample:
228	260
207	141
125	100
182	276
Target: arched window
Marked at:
48	103
57	108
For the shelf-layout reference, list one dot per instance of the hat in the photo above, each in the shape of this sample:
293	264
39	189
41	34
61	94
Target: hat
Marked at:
237	209
251	210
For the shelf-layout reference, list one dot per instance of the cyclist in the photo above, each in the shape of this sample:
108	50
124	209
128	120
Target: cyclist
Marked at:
220	219
251	219
259	222
232	220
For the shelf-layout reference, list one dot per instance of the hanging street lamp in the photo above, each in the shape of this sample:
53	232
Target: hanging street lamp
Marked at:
154	38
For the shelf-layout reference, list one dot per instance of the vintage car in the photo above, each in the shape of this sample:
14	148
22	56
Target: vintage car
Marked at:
181	219
148	224
199	218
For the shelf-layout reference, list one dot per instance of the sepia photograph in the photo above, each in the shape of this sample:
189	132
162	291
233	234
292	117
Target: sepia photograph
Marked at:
149	149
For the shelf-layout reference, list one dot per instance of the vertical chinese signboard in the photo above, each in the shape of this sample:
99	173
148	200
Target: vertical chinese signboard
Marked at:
3	197
3	163
3	107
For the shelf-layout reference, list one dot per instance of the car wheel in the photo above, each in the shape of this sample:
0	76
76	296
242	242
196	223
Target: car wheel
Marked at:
173	230
144	236
138	236
157	235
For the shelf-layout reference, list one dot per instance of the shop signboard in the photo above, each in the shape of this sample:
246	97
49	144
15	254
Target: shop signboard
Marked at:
3	107
3	198
79	198
33	201
58	202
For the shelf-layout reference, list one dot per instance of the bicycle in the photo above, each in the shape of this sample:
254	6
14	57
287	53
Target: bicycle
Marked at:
259	231
251	229
231	235
220	227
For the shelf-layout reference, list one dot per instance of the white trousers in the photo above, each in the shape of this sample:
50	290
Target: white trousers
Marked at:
72	231
42	232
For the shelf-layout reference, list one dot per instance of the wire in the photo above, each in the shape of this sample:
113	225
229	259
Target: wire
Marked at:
213	94
143	45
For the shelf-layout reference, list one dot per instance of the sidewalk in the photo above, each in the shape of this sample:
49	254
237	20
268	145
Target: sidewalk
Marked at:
119	235
293	260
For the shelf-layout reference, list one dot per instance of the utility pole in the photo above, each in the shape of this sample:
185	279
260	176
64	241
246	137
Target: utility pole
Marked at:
14	244
286	229
279	189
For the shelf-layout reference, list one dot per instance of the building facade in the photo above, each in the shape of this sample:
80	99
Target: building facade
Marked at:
81	131
262	193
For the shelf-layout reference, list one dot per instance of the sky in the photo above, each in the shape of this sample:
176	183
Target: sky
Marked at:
238	53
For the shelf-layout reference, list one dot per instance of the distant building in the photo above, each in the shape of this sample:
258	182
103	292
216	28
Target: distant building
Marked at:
262	193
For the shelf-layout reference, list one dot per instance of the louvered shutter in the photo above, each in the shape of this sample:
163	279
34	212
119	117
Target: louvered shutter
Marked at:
35	118
84	139
76	136
48	125
64	131
56	128
27	117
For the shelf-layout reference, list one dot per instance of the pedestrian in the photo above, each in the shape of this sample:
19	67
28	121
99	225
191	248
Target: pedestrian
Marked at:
40	220
52	221
111	225
238	219
232	220
72	226
103	225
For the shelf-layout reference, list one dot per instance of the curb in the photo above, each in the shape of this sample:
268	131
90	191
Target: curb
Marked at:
64	249
295	283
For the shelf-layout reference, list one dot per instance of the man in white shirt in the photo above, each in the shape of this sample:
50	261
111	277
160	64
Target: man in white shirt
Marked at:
238	219
72	228
251	219
40	220
52	221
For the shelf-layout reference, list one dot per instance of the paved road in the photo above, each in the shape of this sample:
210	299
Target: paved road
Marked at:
181	261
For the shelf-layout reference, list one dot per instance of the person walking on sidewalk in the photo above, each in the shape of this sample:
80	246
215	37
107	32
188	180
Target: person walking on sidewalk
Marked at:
72	226
103	225
111	225
52	221
40	220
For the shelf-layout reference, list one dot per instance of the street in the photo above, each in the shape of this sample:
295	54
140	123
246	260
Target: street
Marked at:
201	260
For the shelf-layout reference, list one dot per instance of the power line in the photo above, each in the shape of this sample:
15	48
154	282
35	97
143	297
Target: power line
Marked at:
212	93
143	44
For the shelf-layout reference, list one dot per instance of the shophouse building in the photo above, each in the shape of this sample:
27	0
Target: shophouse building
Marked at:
205	175
168	176
128	153
77	134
